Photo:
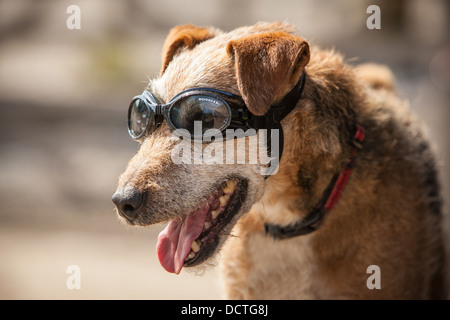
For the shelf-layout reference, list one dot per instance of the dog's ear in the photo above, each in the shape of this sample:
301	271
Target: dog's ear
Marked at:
183	36
268	65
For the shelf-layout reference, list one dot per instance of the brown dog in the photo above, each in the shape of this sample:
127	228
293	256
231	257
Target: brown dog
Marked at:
354	210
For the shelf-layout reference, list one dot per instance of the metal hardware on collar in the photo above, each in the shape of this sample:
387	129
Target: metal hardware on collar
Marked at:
329	199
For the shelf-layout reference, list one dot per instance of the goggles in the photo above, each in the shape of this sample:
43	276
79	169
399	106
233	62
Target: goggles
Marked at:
216	110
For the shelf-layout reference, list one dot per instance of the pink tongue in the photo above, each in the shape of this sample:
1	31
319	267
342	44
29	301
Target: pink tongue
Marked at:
174	242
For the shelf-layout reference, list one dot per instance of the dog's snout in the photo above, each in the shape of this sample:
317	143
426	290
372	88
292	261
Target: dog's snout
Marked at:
128	202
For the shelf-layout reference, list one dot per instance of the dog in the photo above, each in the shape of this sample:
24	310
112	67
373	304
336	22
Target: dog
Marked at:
354	208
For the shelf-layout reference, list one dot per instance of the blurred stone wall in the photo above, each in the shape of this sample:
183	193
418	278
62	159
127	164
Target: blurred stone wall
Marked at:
63	141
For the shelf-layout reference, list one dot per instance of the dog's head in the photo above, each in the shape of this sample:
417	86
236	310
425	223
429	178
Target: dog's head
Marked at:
202	201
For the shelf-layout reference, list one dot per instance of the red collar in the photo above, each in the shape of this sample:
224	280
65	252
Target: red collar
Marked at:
329	199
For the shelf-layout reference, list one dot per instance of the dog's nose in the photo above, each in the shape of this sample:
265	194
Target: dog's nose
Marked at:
128	202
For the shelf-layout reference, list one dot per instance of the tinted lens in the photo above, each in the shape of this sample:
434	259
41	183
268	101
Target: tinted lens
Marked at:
212	112
139	116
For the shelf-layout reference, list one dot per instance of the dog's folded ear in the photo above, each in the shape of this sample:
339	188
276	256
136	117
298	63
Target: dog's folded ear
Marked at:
268	65
183	36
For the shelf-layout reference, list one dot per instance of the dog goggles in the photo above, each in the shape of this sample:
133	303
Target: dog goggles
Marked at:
215	109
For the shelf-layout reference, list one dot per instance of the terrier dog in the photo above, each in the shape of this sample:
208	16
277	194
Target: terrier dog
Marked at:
354	208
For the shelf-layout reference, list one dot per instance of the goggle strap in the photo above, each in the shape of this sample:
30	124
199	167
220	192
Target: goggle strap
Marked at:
280	111
277	113
289	101
159	109
280	147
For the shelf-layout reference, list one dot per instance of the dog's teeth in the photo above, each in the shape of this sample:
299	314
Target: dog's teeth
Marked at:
195	246
229	187
207	225
214	214
191	255
223	200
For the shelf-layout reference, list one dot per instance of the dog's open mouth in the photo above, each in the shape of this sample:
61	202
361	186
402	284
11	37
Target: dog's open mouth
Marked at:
192	240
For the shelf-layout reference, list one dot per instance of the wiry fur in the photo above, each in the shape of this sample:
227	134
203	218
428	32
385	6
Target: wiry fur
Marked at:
389	214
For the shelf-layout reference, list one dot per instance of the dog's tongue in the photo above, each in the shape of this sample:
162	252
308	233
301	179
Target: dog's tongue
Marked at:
174	242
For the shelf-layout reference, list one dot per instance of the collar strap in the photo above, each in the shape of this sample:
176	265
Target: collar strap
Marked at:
329	199
272	119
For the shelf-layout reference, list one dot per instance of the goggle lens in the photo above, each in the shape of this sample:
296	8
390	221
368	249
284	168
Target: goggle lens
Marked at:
138	118
213	113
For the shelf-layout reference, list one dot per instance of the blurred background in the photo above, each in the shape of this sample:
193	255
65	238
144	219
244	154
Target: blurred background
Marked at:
63	140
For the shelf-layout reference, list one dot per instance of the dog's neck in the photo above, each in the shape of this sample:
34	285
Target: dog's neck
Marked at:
328	201
314	193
